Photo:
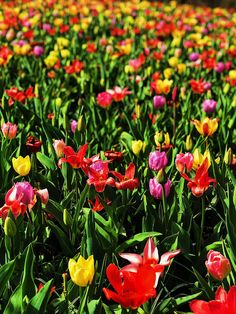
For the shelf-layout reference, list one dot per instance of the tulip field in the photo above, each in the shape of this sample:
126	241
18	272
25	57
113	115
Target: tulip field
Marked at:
118	157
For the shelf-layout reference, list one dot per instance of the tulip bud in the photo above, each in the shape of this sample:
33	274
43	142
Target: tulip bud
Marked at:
9	227
161	176
226	88
217	265
189	143
228	158
137	111
58	102
80	124
67	219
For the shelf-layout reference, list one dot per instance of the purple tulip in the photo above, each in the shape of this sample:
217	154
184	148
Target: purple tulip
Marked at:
157	160
209	105
38	51
159	101
155	188
207	86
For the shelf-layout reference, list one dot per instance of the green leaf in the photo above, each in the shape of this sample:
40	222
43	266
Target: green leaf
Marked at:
188	298
207	289
140	237
28	285
45	161
15	302
6	272
39	302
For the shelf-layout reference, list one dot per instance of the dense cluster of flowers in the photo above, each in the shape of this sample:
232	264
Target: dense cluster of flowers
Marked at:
117	129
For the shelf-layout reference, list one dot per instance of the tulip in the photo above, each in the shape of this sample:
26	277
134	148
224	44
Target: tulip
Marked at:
59	145
137	146
159	101
104	99
219	68
9	130
173	61
217	265
156	188
82	271
232	74
189	143
209	105
43	194
150	257
184	162
224	303
73	126
198	158
22	165
206	127
126	181
157	160
162	140
193	56
201	182
17	199
38	51
33	144
9	227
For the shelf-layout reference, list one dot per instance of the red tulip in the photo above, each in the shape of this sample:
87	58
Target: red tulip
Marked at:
223	304
217	265
118	94
127	181
200	183
76	160
104	99
131	289
150	257
97	205
98	175
75	67
18	199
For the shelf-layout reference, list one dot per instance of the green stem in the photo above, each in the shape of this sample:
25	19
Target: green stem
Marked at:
202	225
164	206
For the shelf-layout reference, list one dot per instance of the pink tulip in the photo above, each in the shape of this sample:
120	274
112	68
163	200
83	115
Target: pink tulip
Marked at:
184	162
155	188
157	160
59	146
73	126
9	130
17	199
217	265
43	194
209	105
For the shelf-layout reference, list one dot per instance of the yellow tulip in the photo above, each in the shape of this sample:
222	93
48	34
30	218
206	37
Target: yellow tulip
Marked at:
137	146
162	139
232	74
207	126
82	271
198	158
22	165
173	61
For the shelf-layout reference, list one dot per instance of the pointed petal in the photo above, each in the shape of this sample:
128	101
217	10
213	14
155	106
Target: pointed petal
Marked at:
132	258
130	171
150	252
165	258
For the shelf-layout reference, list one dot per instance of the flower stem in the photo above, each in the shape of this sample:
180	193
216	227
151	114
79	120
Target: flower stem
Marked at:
202	226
